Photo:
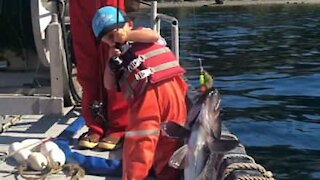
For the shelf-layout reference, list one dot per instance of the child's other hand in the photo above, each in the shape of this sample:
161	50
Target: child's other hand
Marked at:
121	36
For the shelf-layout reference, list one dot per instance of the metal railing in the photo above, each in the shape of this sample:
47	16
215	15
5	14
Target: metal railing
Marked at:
157	18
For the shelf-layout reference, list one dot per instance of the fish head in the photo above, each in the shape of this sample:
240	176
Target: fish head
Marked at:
204	114
210	119
175	130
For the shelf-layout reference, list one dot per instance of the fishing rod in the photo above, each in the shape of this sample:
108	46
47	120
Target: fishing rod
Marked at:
118	4
116	62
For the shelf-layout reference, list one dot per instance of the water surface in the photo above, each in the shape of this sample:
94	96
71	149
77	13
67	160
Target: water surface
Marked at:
266	64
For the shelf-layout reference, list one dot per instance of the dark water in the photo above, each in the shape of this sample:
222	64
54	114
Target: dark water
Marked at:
266	63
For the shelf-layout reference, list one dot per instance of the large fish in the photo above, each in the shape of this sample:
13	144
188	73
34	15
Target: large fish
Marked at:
202	133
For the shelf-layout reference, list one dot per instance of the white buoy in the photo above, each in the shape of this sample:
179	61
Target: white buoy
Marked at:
21	156
56	156
37	161
14	147
31	143
48	146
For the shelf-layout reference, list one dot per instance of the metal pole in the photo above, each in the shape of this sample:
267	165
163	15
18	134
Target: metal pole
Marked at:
175	38
174	31
154	7
56	64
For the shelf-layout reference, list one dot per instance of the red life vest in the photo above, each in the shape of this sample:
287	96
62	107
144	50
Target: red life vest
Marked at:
147	63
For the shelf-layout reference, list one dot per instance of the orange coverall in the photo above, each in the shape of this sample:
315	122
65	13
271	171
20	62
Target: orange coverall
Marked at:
90	65
144	144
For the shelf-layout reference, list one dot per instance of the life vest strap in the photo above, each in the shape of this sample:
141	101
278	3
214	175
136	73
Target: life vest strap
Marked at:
135	63
140	59
142	75
155	52
147	72
164	66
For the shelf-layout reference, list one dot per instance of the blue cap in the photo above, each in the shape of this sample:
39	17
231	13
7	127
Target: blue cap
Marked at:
105	20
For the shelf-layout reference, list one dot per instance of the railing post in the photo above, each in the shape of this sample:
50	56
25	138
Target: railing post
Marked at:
154	7
175	37
56	64
174	31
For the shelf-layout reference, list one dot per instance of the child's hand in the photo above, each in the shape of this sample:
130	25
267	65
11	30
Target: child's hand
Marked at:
121	36
115	52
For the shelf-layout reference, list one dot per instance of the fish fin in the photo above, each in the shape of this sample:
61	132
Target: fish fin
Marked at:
178	158
174	130
222	145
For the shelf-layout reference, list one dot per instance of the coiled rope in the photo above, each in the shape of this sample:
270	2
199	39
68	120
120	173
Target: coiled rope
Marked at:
267	175
74	171
232	156
246	177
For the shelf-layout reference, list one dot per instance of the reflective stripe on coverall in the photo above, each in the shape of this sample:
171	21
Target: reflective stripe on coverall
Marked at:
89	67
144	144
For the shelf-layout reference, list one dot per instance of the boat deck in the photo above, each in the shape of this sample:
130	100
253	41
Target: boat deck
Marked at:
40	127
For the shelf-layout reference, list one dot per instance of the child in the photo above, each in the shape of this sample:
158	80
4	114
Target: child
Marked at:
150	79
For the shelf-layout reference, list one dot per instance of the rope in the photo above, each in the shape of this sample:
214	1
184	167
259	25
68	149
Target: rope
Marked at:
246	177
267	175
74	171
33	175
3	156
233	156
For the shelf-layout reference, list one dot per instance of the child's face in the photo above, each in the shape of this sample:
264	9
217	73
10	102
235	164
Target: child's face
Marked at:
109	38
117	35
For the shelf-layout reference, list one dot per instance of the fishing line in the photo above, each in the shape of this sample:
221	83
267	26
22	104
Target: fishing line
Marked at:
145	3
201	76
195	27
118	14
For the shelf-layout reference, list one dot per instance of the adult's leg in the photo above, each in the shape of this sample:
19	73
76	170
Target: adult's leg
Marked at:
117	114
117	108
86	54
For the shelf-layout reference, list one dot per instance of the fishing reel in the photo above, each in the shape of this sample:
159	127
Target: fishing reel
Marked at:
98	112
97	109
116	66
